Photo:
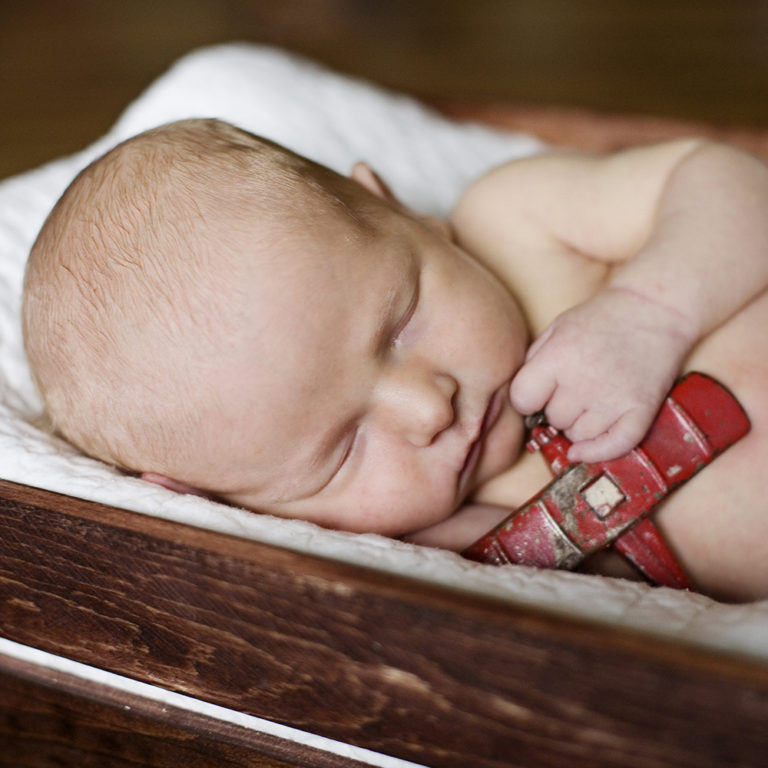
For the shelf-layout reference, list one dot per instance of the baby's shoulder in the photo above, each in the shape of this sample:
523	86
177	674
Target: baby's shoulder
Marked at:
519	243
496	201
600	205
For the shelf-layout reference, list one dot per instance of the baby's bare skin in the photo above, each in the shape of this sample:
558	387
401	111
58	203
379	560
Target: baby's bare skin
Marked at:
718	522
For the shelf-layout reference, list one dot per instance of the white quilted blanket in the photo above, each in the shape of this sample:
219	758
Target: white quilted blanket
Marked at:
427	160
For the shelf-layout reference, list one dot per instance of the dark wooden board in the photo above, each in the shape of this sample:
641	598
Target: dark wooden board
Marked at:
49	719
402	667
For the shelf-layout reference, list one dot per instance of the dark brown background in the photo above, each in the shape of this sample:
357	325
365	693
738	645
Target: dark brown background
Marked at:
68	68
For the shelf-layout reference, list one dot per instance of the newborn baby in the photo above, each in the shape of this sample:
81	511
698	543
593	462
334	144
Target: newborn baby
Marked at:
225	317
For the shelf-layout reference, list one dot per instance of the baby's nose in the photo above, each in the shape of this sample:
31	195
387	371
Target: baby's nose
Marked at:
416	402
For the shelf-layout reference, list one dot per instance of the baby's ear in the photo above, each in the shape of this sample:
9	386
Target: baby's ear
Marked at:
366	177
173	485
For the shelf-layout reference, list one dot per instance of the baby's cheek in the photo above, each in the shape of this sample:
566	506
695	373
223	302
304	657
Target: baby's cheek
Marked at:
407	498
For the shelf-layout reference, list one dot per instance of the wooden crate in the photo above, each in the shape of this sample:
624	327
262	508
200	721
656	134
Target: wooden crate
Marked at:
428	674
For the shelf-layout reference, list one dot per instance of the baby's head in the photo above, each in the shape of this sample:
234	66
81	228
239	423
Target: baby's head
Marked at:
224	316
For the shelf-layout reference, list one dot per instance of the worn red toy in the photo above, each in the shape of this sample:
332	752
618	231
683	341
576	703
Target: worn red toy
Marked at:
588	507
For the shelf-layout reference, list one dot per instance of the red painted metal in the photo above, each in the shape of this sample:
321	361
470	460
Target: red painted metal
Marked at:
588	507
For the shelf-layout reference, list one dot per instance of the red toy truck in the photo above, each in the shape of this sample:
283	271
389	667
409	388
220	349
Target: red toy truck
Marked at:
591	506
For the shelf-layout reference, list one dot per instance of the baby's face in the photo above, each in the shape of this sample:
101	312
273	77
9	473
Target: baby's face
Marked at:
372	393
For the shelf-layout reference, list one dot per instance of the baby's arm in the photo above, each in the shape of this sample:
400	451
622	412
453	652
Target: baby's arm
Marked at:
684	229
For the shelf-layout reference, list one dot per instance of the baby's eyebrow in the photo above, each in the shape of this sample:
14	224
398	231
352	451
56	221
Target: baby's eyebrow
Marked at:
390	305
384	314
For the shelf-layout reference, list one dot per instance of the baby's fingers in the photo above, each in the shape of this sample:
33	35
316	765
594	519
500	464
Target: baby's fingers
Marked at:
531	389
618	439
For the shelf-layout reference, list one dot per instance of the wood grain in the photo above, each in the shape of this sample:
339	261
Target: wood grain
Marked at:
402	667
51	719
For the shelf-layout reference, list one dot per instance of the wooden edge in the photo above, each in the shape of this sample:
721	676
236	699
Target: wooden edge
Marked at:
38	705
398	666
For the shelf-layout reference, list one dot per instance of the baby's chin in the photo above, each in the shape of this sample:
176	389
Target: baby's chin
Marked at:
419	520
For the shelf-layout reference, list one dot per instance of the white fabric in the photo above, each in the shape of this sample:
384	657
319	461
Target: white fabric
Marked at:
427	160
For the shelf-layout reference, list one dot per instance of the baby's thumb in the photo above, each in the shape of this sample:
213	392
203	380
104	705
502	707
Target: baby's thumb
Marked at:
530	389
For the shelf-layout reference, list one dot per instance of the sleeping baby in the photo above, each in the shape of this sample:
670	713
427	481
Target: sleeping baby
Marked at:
224	317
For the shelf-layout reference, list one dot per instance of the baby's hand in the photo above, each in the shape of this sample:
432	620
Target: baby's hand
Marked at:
601	371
